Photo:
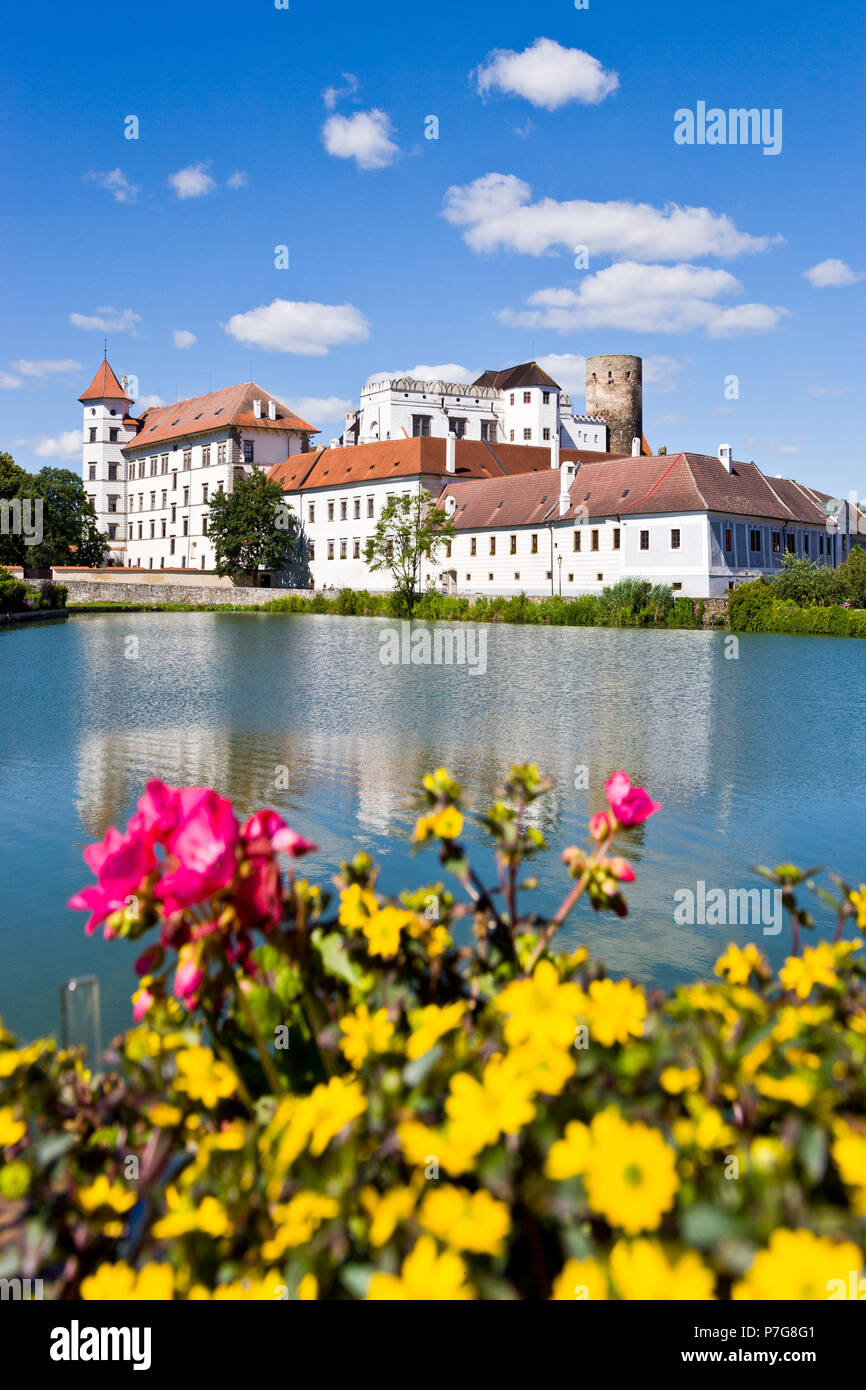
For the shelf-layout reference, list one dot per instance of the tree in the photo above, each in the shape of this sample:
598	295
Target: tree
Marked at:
61	519
806	581
852	574
252	527
409	530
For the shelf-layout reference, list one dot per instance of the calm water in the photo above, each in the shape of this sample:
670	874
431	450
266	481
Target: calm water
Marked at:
753	760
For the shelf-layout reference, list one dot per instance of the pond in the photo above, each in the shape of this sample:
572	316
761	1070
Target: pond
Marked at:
752	755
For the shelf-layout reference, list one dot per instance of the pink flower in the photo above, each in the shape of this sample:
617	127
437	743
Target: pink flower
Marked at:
203	840
143	1001
599	825
630	805
621	870
188	975
121	863
157	810
266	831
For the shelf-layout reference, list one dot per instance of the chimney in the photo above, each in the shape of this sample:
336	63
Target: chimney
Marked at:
566	478
663	448
635	447
725	456
450	452
257	409
272	410
554	451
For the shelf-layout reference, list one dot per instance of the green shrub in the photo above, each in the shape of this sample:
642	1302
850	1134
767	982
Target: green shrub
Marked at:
749	606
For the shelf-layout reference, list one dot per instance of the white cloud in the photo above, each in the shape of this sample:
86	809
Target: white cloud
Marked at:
547	75
775	446
182	338
149	402
315	408
46	366
661	372
238	179
364	137
108	320
8	382
831	274
331	95
497	213
568	368
302	327
115	182
647	299
192	182
60	446
424	371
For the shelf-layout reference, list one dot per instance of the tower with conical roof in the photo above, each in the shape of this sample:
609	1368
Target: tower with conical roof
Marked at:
107	427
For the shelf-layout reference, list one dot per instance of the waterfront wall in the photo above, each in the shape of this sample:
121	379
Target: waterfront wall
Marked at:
109	591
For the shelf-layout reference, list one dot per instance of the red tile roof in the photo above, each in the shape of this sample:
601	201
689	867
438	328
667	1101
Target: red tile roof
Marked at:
105	386
233	405
416	457
641	486
525	374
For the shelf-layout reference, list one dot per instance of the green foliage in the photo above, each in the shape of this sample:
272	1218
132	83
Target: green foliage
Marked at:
749	606
69	534
852	574
805	581
409	530
252	527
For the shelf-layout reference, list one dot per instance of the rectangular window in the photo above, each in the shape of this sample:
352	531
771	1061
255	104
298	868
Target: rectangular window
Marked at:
533	543
330	550
545	398
344	509
221	453
820	545
527	397
511	436
616	538
173	481
330	511
513	545
492	545
488	431
447	550
202	562
204	487
675	539
754	539
112	531
311	512
343	551
248	451
139	530
511	399
152	529
356	509
204	525
205	456
91	472
152	500
729	539
644	540
594	541
805	542
112	504
186	497
173	515
187	459
356	549
171	546
677	586
112	436
420	426
790	544
576	540
545	433
163	467
162	524
112	472
153	464
370	506
186	526
183	562
311	550
517	574
473	546
93	436
527	434
130	530
457	426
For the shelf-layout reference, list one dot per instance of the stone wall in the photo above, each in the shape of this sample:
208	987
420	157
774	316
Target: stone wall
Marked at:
108	591
715	608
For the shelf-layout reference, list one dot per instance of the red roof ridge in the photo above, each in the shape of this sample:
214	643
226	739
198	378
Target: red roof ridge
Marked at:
677	458
691	473
105	386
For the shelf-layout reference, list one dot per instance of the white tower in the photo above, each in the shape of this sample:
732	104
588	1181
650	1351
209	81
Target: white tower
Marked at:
106	430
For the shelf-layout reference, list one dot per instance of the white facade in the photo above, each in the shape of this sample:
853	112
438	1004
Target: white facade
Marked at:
104	433
402	407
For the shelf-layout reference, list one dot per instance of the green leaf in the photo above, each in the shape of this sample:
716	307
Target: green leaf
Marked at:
335	958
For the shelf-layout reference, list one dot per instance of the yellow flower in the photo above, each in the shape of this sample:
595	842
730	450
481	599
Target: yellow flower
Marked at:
541	1010
386	1211
357	904
815	967
569	1156
186	1214
481	1111
308	1289
616	1011
641	1270
365	1033
798	1265
203	1077
164	1116
14	1058
297	1222
543	1071
330	1108
859	901
737	965
675	1080
580	1279
103	1193
248	1289
472	1221
444	825
11	1130
425	1275
849	1155
430	1024
382	930
438	941
798	1090
118	1283
631	1174
766	1154
446	1148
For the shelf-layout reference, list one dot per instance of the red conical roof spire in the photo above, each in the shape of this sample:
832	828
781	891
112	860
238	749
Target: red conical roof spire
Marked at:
105	386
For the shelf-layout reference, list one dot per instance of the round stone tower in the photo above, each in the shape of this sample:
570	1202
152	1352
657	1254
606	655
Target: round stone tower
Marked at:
614	392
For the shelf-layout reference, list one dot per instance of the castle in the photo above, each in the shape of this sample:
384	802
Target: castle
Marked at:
543	500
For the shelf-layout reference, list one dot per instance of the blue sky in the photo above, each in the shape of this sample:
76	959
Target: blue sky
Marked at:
555	129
